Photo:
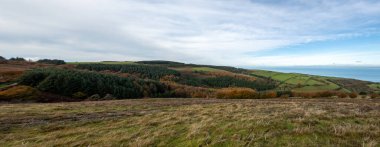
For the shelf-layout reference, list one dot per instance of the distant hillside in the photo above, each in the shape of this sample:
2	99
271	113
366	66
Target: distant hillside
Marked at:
111	79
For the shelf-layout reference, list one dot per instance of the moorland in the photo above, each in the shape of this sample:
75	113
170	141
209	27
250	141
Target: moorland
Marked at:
165	103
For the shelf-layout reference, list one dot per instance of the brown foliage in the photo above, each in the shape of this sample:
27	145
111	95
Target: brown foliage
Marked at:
342	95
268	94
236	93
353	95
19	93
185	91
323	94
375	95
7	76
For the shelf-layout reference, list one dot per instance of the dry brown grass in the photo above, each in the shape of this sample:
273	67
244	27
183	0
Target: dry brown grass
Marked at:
19	93
193	122
12	70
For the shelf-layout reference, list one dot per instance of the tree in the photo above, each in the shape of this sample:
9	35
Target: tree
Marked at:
17	59
50	61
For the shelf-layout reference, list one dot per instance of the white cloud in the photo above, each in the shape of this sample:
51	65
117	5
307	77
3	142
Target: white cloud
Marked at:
209	32
331	58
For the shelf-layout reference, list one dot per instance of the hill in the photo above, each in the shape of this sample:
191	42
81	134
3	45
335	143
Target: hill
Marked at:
118	80
193	105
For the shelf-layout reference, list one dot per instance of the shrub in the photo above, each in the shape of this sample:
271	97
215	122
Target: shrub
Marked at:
284	96
362	93
108	97
79	95
19	93
303	94
236	93
353	95
95	97
268	94
342	95
375	95
185	91
284	92
325	94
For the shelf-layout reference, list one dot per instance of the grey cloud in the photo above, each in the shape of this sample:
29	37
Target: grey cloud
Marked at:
215	31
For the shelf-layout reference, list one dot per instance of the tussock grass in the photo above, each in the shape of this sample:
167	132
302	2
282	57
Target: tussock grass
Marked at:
193	122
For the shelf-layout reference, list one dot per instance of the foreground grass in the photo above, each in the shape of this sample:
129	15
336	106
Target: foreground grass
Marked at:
193	122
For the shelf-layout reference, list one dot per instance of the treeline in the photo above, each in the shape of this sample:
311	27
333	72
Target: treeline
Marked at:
145	71
227	81
44	61
5	60
179	64
161	62
84	84
51	61
17	59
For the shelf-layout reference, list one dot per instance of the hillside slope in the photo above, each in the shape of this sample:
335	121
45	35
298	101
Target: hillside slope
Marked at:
83	80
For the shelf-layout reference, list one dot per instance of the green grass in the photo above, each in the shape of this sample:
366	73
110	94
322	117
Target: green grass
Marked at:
316	88
264	73
308	83
283	77
313	81
3	85
375	86
193	122
104	62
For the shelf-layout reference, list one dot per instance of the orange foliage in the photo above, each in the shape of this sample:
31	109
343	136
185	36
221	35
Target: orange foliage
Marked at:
268	94
236	93
7	76
185	91
323	94
375	95
19	93
353	95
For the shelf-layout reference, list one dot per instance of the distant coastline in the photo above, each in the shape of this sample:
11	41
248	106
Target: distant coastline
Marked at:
366	73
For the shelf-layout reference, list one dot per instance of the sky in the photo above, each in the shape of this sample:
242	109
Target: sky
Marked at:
218	32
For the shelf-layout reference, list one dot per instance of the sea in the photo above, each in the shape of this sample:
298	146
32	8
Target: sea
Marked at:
366	73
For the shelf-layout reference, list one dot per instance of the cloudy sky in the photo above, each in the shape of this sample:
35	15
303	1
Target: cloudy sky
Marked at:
220	32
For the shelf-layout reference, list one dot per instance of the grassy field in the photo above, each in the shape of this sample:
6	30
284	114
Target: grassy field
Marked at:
193	122
375	86
301	82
